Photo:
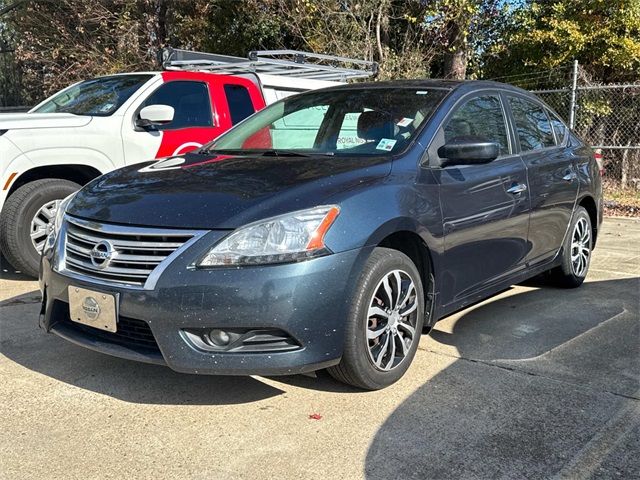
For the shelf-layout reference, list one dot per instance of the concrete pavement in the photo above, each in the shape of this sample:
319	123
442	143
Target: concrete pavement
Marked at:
535	383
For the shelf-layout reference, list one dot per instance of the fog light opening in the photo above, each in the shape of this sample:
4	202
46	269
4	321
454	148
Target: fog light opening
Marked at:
220	338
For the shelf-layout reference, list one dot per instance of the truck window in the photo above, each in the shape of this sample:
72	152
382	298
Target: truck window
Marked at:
99	97
190	100
239	101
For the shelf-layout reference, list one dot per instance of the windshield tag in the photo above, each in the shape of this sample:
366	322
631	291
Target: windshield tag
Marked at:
422	92
405	122
386	144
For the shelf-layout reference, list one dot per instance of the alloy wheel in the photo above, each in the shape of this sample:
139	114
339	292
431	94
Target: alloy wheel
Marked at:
42	224
580	247
391	320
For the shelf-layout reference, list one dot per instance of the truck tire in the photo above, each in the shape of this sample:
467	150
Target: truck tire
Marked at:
30	209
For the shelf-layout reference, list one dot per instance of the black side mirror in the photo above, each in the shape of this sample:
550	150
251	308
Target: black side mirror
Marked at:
468	150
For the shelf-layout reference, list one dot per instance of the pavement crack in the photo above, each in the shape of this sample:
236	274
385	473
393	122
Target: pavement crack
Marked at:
529	373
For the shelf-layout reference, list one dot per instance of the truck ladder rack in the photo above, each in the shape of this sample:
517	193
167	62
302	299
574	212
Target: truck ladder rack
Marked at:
286	63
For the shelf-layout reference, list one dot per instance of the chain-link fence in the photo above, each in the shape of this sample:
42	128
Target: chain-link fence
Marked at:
608	118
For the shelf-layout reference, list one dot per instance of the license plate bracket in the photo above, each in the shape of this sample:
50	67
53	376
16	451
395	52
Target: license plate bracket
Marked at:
95	309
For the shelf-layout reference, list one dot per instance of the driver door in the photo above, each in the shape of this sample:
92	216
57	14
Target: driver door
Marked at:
192	126
485	207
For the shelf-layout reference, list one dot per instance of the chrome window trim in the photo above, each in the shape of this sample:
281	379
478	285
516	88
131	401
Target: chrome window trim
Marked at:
154	276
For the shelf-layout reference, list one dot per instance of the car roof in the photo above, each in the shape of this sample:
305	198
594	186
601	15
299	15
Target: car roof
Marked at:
466	85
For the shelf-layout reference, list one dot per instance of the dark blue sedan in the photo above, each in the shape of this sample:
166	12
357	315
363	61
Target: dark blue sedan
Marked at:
328	230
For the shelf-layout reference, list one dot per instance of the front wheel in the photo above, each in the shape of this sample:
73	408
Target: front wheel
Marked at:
576	252
27	218
385	322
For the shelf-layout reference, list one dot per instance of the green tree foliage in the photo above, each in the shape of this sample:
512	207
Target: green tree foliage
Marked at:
603	35
59	42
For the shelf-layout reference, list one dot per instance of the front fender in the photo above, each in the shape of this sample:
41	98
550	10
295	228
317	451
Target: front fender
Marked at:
12	160
71	156
375	212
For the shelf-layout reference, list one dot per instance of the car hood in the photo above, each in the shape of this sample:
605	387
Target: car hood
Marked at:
15	121
220	191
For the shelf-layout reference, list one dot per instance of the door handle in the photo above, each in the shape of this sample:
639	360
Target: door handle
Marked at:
570	177
517	188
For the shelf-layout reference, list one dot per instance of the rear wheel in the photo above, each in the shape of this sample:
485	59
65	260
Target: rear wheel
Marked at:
576	252
27	218
385	322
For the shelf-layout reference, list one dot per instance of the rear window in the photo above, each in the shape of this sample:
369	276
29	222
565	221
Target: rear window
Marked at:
99	97
239	101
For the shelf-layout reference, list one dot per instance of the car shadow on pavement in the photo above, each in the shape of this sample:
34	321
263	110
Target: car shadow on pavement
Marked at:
515	327
7	272
543	383
22	342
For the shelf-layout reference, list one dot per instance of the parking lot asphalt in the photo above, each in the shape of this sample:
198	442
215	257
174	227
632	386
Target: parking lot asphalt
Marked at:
535	383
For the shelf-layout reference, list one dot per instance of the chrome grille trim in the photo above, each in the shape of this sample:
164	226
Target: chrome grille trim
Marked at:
141	254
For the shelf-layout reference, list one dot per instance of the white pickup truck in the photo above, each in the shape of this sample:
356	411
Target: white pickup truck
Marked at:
98	125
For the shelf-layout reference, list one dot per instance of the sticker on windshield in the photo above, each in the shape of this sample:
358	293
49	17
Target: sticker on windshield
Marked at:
106	107
386	144
405	122
422	92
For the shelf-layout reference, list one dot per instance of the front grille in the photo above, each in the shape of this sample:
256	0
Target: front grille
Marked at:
133	252
131	333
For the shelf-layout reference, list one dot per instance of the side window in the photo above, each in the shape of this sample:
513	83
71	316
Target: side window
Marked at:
479	117
190	100
239	101
558	127
532	124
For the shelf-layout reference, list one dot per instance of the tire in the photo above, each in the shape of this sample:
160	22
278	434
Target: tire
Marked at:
358	364
18	215
573	270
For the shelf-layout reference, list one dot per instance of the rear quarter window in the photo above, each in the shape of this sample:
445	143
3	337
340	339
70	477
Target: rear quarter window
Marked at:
559	128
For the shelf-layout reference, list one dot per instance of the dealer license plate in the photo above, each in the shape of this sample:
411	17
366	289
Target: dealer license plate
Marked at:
95	309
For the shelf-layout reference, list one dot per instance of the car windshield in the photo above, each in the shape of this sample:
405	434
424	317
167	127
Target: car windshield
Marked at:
98	97
364	121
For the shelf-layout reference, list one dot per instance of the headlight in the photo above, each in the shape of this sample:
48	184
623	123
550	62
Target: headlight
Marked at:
286	238
57	221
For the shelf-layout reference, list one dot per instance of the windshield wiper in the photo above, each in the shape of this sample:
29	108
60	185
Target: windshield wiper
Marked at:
277	152
229	151
270	152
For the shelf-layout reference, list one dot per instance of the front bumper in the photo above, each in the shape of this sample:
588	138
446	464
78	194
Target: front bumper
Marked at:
309	301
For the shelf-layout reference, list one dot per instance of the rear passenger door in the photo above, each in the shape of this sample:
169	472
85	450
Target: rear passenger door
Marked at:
485	207
553	181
